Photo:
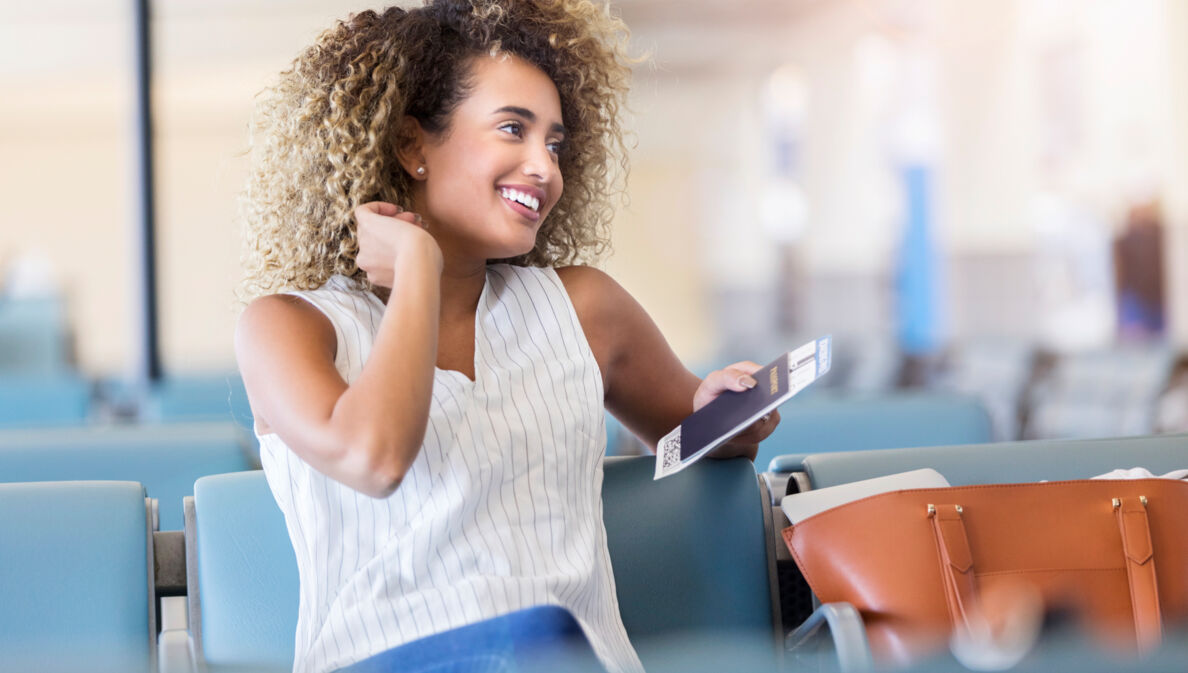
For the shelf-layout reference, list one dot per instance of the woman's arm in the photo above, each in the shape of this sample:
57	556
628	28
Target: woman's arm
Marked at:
366	434
647	387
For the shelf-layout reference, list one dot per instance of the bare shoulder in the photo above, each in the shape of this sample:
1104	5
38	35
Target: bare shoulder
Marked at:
609	315
595	295
281	318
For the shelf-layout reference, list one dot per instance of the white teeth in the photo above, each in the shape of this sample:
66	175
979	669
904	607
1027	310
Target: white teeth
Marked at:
522	198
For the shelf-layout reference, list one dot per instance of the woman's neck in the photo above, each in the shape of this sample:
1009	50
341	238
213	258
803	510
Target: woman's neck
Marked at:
461	287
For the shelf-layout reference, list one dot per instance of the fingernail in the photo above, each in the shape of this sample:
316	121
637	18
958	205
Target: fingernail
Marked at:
746	382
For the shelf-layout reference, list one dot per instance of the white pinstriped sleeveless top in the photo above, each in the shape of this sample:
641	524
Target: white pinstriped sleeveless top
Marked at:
500	511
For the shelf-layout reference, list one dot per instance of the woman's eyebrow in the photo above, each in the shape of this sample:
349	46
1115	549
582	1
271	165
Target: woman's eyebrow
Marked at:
529	115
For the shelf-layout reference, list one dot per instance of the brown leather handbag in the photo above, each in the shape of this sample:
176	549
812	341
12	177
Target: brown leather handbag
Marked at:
914	562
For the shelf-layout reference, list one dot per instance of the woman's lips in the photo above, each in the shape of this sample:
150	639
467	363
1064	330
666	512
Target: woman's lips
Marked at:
521	209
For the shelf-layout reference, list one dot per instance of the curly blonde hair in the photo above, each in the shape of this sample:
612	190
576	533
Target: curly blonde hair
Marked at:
324	136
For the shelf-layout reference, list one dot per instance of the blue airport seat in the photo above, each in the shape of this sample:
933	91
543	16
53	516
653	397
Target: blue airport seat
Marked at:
835	423
1005	462
690	553
194	398
241	575
202	398
997	371
1100	394
44	400
167	459
214	397
34	337
75	586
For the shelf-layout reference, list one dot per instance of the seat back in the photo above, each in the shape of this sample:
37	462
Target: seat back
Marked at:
197	397
75	588
241	575
1100	394
836	423
690	555
1005	462
56	399
690	552
203	398
165	459
34	336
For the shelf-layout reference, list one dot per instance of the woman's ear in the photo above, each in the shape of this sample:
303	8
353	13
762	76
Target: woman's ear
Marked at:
410	147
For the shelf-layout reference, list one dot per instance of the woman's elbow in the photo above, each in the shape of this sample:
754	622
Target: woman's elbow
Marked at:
384	467
382	486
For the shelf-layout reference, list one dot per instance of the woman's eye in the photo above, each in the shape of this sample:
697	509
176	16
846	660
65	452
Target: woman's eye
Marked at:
513	128
555	146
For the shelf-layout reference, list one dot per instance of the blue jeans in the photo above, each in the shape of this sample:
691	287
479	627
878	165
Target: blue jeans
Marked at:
545	638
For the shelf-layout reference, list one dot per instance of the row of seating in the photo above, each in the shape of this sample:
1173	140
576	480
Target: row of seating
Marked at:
165	458
1030	392
82	558
168	457
66	398
701	574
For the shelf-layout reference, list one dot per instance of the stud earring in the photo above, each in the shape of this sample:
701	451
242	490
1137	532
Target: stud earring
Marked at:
420	170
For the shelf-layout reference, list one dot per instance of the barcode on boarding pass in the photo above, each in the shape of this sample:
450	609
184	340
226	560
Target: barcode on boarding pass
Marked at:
670	450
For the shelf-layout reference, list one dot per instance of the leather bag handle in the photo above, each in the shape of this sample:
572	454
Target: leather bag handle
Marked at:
956	564
1135	530
956	561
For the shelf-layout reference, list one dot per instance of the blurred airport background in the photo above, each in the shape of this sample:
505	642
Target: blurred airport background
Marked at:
984	196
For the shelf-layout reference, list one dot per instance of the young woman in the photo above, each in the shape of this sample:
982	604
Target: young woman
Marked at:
427	366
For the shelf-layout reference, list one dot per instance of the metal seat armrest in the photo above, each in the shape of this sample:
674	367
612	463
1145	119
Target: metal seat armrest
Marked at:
175	648
848	632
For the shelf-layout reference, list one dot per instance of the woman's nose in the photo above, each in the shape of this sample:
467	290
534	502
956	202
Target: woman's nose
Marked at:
540	164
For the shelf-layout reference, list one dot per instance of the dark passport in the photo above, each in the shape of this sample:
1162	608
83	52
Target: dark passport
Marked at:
732	412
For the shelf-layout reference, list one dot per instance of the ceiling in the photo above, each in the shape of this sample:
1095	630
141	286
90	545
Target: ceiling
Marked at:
683	35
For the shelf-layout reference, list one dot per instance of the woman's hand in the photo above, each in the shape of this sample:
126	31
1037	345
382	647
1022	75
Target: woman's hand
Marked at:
736	377
385	232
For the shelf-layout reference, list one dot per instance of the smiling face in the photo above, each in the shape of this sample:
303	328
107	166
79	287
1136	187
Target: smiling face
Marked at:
493	176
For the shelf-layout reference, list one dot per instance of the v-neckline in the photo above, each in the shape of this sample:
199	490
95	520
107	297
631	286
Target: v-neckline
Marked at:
478	311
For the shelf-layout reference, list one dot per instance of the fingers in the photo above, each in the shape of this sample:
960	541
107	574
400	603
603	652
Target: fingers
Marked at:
413	218
738	375
746	366
727	379
746	443
390	210
379	208
762	428
736	449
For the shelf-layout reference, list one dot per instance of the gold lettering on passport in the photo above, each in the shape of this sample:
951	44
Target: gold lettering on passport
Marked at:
775	381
